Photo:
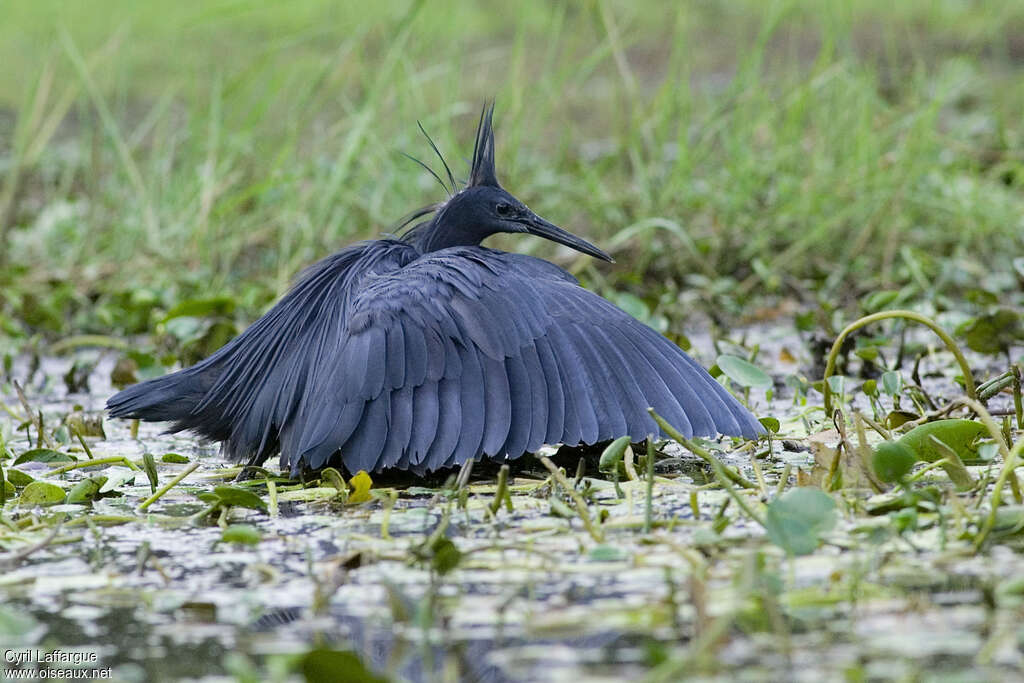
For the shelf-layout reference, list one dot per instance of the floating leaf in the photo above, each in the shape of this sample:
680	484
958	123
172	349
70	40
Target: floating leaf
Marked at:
174	458
742	372
899	417
607	553
116	476
892	461
42	493
960	435
43	455
327	666
19	478
86	490
86	424
241	533
232	495
796	521
360	484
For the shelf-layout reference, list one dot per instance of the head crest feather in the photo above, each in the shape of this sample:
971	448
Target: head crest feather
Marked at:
482	171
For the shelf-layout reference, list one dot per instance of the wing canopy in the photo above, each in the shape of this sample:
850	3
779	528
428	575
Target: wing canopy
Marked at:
469	351
400	360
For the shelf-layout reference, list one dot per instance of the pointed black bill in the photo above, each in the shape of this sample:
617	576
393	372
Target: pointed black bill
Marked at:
535	225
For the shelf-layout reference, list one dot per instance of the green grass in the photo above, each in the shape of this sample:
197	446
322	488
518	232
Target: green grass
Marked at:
155	153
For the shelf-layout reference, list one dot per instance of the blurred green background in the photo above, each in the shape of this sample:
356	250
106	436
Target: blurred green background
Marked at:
731	155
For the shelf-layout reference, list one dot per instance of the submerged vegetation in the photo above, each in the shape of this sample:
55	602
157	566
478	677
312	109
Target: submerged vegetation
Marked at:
779	184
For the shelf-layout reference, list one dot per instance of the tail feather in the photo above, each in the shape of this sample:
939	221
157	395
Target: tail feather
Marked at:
171	398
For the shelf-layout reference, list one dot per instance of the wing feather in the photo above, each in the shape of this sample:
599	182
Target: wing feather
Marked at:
386	357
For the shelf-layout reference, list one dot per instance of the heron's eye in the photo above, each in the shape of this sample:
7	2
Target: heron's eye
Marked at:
503	209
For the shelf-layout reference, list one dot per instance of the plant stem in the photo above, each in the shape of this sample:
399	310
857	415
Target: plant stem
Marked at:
168	486
577	499
700	452
908	315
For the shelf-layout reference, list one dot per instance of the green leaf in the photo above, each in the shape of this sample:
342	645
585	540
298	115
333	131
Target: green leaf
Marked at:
185	328
743	372
1009	520
892	382
796	520
987	451
633	305
174	458
876	301
607	553
42	493
86	490
360	483
149	467
446	556
892	461
332	477
994	332
241	533
232	495
899	417
867	353
327	666
770	423
960	435
116	476
837	384
612	454
19	478
197	308
16	626
43	455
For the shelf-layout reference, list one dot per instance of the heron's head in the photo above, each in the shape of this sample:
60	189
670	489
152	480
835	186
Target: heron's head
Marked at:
484	208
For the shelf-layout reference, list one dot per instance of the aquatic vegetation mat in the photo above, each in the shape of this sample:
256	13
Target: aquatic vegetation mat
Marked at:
879	540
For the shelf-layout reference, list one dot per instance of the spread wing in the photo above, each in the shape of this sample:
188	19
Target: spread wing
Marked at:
469	351
247	393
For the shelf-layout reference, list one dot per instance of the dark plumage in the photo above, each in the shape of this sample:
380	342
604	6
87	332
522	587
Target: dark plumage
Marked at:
421	352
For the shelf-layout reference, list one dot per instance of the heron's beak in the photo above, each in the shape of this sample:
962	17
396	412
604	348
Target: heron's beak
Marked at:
535	225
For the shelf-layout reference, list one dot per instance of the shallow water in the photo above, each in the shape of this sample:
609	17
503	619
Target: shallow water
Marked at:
534	597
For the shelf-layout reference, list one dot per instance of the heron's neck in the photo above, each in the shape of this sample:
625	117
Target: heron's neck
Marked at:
440	234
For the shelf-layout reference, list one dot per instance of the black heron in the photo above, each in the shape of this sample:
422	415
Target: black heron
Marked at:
423	351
